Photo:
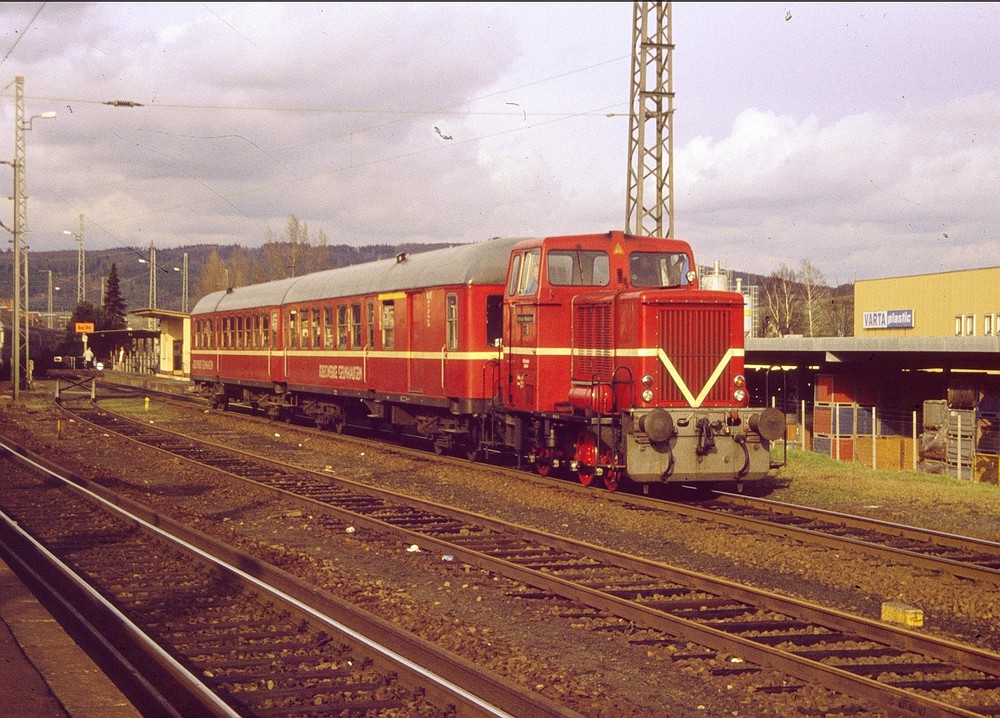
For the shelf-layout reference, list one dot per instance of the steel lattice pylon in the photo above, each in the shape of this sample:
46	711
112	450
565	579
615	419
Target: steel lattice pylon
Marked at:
20	359
649	209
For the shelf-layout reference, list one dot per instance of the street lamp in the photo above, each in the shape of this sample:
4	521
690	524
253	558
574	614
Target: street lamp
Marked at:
49	313
20	246
150	321
184	283
81	265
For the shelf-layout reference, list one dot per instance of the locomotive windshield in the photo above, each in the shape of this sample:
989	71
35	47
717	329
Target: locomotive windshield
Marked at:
658	269
578	268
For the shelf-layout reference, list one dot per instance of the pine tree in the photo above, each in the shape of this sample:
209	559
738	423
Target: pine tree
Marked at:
114	309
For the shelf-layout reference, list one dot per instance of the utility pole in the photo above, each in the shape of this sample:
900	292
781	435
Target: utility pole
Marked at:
20	351
184	285
649	207
151	323
81	264
49	323
20	342
81	267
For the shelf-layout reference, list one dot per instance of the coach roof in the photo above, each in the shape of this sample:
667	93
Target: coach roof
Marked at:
479	263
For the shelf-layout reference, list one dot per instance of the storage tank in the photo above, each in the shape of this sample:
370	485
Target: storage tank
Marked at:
716	281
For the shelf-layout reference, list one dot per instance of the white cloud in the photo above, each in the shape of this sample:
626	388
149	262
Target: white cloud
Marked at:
854	134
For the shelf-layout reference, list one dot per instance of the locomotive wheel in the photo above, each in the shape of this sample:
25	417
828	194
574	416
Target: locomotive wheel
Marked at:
586	457
612	479
543	461
472	443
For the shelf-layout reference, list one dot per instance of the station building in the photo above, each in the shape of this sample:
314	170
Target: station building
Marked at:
917	386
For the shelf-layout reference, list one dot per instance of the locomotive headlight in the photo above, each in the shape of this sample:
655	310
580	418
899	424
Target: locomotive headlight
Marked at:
739	381
647	381
740	396
647	395
691	276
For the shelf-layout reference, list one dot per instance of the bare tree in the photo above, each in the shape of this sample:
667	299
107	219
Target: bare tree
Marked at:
815	296
782	303
841	311
213	275
285	256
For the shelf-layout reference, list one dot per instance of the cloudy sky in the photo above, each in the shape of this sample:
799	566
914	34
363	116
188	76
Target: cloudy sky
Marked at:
862	137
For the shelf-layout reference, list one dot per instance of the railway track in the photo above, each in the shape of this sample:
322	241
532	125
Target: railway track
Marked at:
199	629
961	556
878	664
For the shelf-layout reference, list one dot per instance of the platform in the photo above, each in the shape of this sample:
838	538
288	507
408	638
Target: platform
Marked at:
45	674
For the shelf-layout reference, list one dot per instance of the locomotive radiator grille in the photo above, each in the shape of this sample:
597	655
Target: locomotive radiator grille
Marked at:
695	339
593	353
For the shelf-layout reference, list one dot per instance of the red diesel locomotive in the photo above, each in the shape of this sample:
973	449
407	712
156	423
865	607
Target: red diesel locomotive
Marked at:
594	354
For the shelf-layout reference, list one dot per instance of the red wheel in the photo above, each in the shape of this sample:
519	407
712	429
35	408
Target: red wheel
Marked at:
586	457
612	479
543	462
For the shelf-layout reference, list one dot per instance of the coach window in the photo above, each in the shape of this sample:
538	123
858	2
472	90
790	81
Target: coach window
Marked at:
494	319
292	330
528	283
451	318
388	325
342	326
274	329
328	327
356	326
248	331
304	327
317	329
371	324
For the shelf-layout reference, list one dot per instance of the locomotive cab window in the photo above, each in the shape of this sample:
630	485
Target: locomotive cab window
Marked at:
515	268
658	269
527	284
579	268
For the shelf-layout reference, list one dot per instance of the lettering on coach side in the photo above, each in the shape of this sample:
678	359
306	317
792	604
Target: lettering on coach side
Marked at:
340	371
203	364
